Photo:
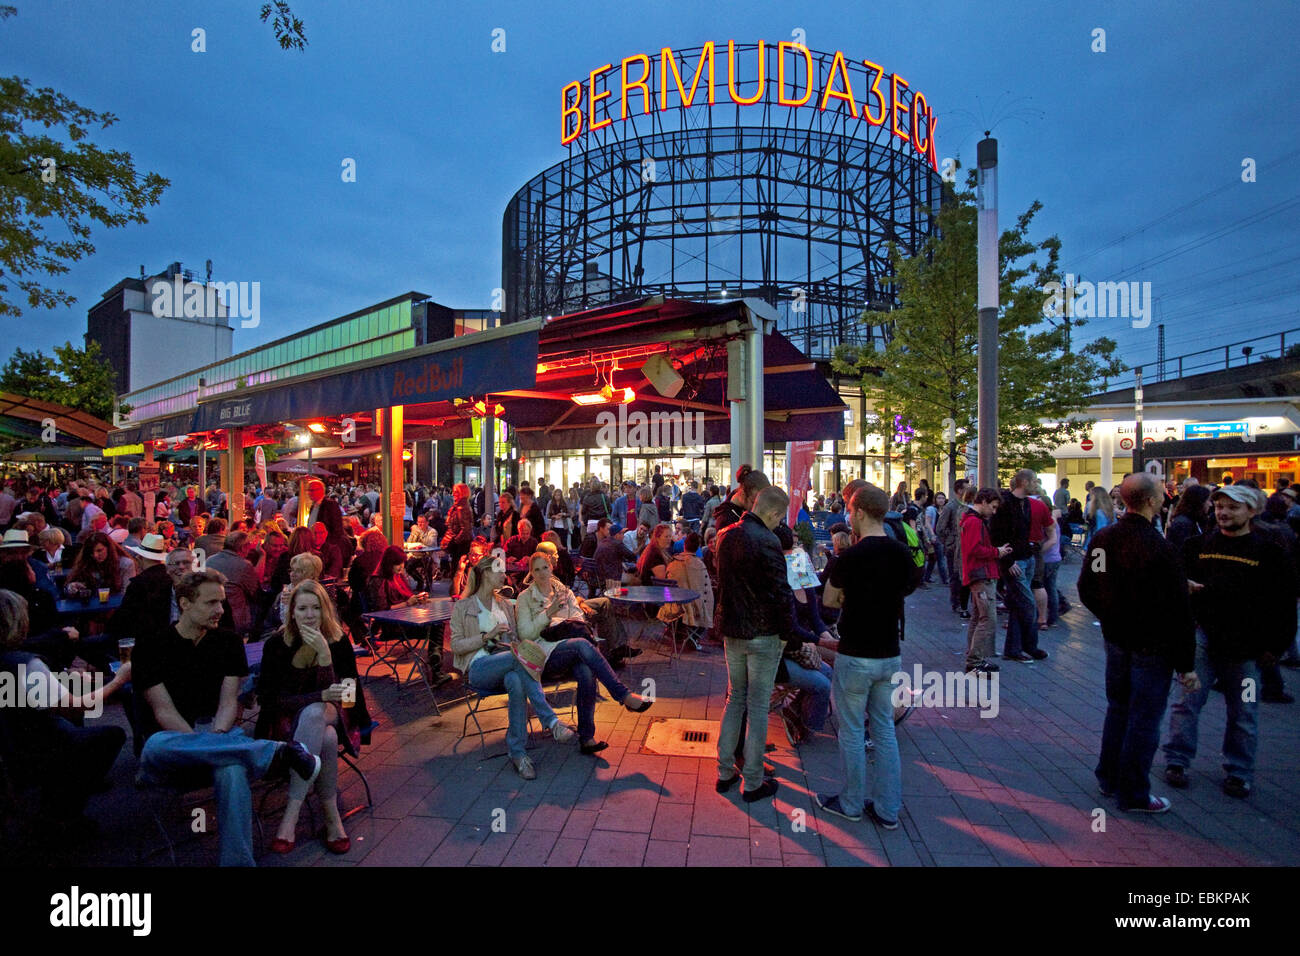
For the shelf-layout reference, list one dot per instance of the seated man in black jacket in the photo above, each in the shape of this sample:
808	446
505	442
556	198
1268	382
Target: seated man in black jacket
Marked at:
1131	580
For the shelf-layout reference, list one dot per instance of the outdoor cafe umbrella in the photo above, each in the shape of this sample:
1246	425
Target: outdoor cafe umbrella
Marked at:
299	468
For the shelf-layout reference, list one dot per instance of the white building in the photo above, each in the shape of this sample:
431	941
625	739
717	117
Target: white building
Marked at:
147	334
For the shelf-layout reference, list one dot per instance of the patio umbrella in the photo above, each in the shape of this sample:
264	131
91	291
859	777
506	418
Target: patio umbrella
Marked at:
299	468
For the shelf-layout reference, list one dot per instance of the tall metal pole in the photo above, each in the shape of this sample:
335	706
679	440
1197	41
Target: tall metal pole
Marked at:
1138	454
487	455
987	205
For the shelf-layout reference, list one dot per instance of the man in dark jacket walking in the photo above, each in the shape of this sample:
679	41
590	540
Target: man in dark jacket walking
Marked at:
754	619
1244	598
1132	581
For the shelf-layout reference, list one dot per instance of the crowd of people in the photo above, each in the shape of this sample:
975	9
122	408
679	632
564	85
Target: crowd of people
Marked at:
1164	569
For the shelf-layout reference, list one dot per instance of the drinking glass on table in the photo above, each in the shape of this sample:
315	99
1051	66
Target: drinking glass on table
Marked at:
103	595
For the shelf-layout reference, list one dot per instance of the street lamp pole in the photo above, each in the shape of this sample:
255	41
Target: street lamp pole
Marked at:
987	205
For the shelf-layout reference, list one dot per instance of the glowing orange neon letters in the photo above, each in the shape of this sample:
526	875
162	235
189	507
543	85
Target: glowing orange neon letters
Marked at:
909	116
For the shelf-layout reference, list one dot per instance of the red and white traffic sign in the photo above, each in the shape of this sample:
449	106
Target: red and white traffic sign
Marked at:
1086	444
1126	443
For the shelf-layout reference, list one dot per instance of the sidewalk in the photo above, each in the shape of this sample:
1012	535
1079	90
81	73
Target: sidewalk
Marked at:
1014	790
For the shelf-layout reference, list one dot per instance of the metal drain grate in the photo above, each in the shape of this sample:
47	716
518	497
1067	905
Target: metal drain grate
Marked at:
679	737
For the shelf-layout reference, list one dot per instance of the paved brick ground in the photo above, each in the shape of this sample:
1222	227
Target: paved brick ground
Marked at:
1016	790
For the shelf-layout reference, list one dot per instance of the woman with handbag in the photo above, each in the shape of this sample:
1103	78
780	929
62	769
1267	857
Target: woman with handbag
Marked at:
551	619
482	628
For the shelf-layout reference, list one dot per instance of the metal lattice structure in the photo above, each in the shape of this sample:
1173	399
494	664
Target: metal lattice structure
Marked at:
796	206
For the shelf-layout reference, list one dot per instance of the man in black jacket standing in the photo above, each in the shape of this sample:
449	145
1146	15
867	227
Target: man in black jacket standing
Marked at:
755	621
1132	581
1244	597
1010	524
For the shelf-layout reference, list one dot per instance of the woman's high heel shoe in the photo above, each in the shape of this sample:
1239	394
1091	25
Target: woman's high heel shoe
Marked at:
341	845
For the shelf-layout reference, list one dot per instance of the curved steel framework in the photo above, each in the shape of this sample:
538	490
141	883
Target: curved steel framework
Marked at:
793	205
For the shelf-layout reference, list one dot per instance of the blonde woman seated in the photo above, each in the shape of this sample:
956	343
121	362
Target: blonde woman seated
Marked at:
548	611
303	698
302	567
482	627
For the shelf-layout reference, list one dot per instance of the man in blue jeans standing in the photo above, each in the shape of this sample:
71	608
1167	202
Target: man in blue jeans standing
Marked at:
755	620
1243	588
1132	581
869	581
189	677
1010	524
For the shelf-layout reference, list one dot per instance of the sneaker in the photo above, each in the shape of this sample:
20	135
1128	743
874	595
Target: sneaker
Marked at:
964	615
1039	654
831	804
878	820
795	731
525	768
1278	697
1021	658
983	667
764	790
1236	787
1154	805
1176	776
562	732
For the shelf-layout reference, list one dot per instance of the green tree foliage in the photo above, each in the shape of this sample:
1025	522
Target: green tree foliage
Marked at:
78	378
928	372
54	186
288	28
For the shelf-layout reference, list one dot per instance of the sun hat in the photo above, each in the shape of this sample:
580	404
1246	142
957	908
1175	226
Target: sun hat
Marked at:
15	538
152	548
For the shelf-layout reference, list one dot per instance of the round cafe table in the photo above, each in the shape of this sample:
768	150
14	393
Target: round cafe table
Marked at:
651	595
649	598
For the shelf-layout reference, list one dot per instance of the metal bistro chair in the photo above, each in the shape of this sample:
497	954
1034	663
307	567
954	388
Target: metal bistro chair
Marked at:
474	706
474	701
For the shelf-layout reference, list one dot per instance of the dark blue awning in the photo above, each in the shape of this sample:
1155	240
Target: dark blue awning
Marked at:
171	426
495	360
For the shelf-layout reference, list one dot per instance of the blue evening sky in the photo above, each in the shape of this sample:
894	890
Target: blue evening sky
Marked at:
1136	153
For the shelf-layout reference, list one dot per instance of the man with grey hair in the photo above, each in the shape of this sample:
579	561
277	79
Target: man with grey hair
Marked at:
242	583
1132	581
1226	569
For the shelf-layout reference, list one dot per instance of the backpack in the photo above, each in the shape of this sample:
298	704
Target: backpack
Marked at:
901	531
